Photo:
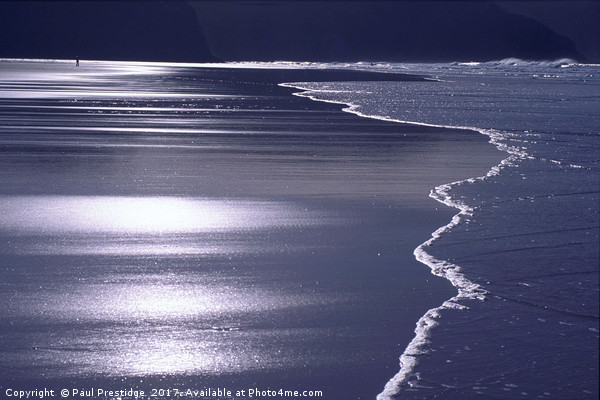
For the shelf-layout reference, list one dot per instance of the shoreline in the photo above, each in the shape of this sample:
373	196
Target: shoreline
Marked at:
344	273
442	268
504	237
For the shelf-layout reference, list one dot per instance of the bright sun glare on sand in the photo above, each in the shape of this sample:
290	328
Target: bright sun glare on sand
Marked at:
114	225
139	215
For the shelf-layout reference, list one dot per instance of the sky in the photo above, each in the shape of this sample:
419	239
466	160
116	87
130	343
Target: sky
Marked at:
245	30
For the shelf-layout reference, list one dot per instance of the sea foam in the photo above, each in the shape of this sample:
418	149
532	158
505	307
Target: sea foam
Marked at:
372	100
442	268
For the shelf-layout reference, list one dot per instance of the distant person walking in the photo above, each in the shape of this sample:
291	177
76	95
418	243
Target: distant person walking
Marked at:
77	61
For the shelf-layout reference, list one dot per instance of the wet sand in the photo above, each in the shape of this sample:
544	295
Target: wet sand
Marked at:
202	227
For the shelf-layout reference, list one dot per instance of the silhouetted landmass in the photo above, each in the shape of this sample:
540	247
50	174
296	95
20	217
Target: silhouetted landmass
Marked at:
197	31
371	30
578	20
104	30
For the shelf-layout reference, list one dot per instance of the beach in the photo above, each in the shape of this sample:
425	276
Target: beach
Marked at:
202	227
523	249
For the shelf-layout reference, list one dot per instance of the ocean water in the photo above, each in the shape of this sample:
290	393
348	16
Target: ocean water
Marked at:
523	250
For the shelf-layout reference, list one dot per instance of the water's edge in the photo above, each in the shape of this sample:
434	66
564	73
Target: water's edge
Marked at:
442	268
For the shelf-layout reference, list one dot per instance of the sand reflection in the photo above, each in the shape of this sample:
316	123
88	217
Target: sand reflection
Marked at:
112	225
93	79
142	314
159	324
142	215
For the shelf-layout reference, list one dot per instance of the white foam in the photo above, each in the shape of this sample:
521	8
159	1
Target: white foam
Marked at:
467	290
505	140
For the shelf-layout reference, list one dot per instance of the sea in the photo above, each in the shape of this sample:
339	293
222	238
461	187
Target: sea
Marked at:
343	230
523	249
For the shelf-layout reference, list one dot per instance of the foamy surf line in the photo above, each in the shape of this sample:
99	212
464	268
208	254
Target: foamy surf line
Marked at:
467	290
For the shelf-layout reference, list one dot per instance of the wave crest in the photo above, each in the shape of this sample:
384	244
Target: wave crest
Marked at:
517	62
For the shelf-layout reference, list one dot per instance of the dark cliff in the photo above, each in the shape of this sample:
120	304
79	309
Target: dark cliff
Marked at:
103	30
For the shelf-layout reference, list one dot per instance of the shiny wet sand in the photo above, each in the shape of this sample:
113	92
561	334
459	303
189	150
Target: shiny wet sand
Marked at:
172	226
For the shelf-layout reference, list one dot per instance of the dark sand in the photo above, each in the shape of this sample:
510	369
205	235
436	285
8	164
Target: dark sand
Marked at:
316	289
